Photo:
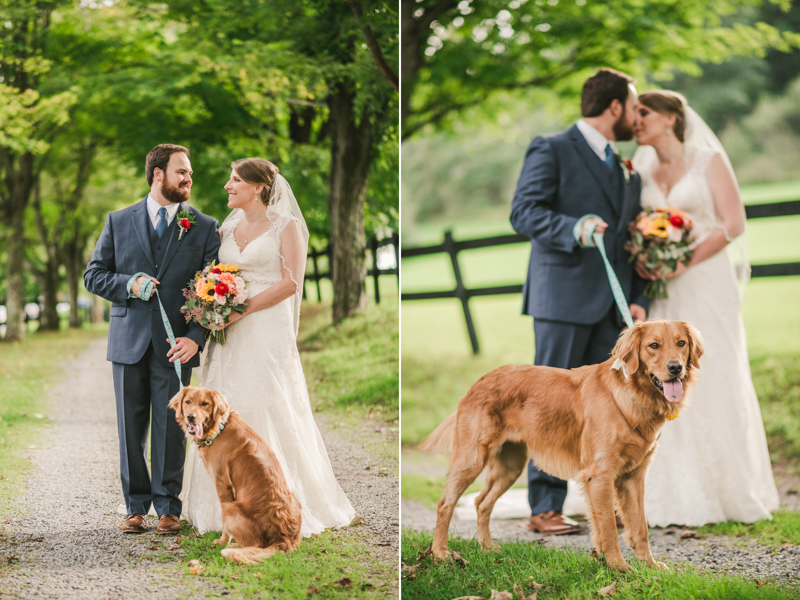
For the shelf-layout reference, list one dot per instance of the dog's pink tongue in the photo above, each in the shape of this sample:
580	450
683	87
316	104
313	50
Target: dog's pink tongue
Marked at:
198	431
673	390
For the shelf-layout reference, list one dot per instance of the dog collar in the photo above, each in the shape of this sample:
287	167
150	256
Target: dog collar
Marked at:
214	432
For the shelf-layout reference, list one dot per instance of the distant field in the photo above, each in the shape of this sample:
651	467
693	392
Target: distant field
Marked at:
437	364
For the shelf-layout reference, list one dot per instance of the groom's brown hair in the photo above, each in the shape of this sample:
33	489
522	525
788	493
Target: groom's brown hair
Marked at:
158	157
602	88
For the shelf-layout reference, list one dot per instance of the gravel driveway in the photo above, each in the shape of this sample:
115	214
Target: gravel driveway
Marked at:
63	541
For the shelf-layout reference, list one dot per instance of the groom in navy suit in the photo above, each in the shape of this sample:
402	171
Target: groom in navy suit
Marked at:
570	182
142	242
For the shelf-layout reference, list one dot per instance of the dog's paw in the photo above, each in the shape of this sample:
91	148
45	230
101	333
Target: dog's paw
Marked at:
660	565
490	547
217	542
619	565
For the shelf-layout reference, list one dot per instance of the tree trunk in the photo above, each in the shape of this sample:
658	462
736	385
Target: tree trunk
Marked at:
351	151
73	261
49	281
409	55
19	183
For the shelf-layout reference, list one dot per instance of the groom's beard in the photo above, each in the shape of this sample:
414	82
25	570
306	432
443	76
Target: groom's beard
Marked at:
175	194
623	131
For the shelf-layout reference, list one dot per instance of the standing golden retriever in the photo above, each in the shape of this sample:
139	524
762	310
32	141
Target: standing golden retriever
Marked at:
598	424
258	509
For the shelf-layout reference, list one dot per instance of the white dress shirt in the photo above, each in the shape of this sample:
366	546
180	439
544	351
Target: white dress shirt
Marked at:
596	140
152	209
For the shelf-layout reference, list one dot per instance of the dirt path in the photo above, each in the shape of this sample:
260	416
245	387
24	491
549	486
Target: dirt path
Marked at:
62	540
719	553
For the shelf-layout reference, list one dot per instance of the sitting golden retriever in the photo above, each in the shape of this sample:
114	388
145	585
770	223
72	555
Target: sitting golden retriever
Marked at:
598	424
258	509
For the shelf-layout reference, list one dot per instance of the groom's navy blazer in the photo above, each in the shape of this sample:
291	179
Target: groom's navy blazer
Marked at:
562	180
123	249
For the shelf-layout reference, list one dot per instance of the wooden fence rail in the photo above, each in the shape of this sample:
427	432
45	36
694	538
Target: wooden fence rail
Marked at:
453	247
372	247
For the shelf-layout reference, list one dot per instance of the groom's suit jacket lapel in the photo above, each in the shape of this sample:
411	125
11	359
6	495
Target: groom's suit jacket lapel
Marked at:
174	242
142	226
594	165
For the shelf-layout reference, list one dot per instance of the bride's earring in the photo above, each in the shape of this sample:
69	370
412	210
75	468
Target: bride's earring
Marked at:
669	130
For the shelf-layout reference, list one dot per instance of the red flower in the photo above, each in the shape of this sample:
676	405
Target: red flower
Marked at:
216	270
629	164
676	221
221	289
185	224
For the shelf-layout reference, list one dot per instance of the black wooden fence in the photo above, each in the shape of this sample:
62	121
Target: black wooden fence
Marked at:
453	247
372	247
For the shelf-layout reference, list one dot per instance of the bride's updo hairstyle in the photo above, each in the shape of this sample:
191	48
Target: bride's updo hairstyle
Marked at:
665	102
257	171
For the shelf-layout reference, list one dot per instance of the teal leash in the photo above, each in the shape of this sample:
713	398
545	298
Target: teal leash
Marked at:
171	337
616	288
145	292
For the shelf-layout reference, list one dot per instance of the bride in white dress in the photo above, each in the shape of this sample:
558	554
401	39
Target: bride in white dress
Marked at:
712	464
258	367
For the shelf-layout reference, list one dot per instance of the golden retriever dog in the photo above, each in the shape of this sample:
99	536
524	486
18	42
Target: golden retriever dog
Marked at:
597	424
259	511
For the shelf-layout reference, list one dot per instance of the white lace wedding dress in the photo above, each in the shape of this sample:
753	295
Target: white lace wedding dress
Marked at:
712	464
258	370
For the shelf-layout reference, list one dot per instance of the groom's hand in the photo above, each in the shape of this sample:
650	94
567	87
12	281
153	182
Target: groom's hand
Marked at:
138	284
600	227
185	348
638	313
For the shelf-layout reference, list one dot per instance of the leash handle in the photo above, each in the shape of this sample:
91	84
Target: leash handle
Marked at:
171	337
616	288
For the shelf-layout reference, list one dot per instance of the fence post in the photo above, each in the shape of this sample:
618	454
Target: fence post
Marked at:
316	272
373	246
460	291
396	244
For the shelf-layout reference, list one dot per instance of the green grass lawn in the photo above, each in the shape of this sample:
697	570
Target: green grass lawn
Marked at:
28	370
562	574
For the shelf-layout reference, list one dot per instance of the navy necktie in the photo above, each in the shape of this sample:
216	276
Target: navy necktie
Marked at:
162	224
610	157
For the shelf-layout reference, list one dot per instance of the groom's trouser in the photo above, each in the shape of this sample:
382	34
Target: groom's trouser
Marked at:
567	346
143	389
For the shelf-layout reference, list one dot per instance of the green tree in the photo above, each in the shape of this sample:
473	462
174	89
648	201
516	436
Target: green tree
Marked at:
29	120
457	53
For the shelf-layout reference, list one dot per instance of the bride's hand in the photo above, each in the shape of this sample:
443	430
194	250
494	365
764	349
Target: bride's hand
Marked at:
232	318
642	271
681	269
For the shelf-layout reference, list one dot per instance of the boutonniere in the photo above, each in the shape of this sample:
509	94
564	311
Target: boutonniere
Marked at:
185	222
627	166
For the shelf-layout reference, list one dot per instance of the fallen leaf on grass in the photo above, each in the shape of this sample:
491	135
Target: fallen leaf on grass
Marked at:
503	595
595	555
38	539
173	547
11	559
608	590
312	589
355	521
384	544
502	560
178	539
470	598
410	571
234	576
761	583
688	535
521	595
195	567
669	531
343	582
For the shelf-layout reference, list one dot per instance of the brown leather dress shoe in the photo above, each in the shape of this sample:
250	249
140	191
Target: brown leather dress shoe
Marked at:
168	524
553	523
136	523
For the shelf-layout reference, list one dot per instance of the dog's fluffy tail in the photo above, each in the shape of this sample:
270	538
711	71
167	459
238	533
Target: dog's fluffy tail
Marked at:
441	440
250	556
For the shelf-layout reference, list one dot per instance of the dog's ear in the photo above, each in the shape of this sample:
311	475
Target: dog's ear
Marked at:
176	403
697	345
627	348
221	406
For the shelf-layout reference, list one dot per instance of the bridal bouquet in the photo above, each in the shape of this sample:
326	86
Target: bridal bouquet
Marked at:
212	295
661	237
